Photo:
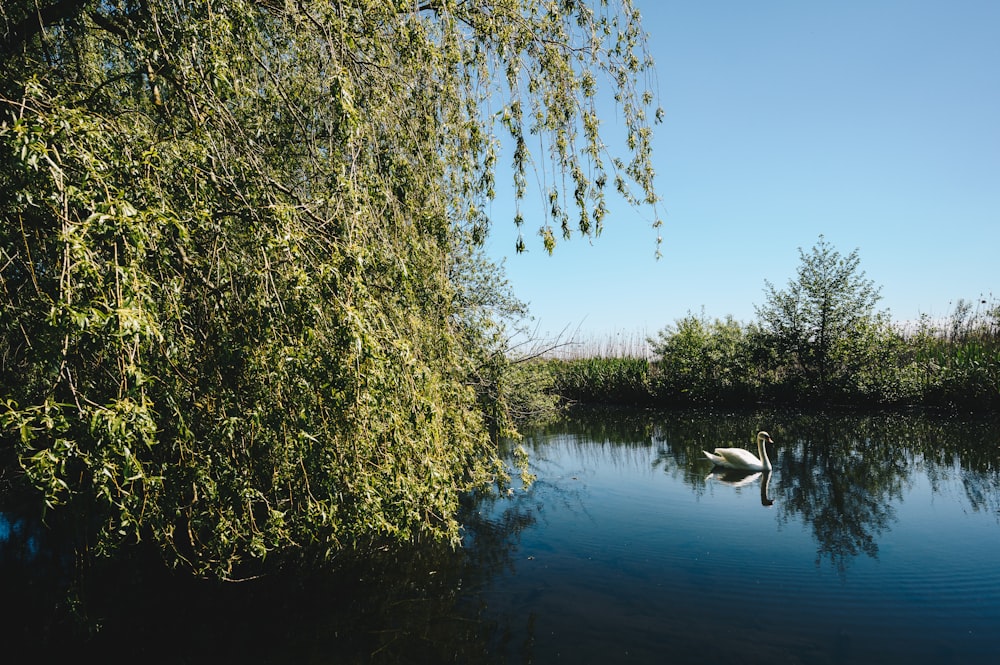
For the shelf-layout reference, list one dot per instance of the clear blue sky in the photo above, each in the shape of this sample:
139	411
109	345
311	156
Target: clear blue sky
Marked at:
873	122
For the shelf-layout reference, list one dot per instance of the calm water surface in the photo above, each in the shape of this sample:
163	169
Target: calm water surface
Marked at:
874	540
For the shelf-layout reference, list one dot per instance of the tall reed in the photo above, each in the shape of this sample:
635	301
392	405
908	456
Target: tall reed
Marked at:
603	380
616	344
958	359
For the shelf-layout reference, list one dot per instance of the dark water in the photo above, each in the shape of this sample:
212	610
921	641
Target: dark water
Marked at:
874	540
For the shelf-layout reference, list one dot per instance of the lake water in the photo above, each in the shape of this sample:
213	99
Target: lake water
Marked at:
875	539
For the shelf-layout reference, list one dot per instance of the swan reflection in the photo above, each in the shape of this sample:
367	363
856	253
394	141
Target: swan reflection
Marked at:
735	478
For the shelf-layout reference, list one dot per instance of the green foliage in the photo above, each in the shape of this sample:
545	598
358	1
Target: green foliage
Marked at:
820	341
530	394
510	390
957	363
701	361
226	383
241	310
816	322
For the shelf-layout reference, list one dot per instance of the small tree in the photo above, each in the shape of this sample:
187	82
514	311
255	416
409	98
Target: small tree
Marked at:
813	321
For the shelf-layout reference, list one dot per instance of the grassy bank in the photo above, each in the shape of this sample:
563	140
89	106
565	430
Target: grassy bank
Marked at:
951	364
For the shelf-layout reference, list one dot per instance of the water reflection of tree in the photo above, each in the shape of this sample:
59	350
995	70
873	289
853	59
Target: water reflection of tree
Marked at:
841	478
611	425
839	473
411	604
965	452
681	436
600	437
832	474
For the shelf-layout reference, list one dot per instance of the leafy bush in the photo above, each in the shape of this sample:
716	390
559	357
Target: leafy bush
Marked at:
701	361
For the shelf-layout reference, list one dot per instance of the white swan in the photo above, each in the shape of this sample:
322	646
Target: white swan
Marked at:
738	458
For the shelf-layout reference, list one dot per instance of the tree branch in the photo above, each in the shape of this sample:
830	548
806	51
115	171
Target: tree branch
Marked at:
31	25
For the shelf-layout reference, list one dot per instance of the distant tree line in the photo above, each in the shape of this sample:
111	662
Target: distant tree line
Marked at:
818	341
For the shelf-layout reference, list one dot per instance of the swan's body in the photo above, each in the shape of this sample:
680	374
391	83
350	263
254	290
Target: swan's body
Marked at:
744	460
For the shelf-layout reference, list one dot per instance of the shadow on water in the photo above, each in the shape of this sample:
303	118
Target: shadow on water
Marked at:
398	605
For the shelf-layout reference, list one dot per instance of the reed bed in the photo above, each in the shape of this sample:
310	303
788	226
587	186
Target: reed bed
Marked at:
603	380
951	362
616	344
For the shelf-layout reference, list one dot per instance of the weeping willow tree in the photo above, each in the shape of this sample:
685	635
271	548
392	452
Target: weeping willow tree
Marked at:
240	278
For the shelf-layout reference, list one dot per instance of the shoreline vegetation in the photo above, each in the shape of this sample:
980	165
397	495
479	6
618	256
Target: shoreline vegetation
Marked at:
950	364
820	341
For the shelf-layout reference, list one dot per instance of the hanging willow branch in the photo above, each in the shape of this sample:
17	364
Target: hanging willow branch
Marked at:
245	313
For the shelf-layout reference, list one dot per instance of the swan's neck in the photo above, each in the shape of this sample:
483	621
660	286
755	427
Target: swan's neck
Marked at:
765	490
762	453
